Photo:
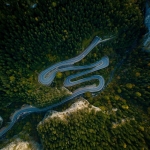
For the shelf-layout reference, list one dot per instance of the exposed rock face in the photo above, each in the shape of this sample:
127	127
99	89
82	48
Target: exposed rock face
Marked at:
1	121
19	144
146	41
80	104
147	16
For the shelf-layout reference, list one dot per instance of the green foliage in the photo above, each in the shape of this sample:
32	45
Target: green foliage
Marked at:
86	129
59	75
87	94
117	97
141	128
125	106
54	4
119	91
148	110
129	85
33	39
138	94
106	97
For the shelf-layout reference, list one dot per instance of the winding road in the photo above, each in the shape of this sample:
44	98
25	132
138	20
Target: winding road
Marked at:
47	76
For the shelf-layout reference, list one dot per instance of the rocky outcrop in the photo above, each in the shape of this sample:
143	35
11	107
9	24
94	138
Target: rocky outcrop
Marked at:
146	40
1	121
19	144
80	104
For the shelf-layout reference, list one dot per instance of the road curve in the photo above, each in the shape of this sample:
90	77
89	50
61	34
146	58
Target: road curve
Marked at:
47	76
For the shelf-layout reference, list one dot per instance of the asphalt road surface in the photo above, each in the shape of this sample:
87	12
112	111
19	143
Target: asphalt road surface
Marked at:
47	76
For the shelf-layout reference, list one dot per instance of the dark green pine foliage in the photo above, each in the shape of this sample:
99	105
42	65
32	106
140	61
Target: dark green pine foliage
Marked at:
88	130
32	39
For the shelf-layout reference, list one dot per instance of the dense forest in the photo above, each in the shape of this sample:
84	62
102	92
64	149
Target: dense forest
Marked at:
123	123
93	130
33	38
